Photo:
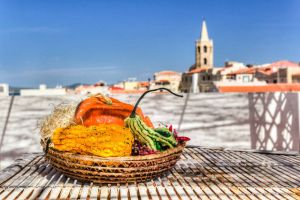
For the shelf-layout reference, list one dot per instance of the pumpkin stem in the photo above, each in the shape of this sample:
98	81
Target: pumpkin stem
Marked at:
106	98
133	113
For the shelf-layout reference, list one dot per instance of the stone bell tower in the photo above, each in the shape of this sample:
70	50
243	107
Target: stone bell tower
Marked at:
204	49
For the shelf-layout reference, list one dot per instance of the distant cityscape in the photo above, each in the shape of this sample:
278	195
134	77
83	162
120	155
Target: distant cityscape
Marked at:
203	76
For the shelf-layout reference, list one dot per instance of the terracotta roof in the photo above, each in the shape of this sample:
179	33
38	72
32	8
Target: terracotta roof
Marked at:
197	70
283	63
243	71
273	67
168	73
261	88
127	91
144	84
268	70
115	88
162	81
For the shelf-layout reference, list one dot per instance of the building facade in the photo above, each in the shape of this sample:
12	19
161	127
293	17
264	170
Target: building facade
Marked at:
204	50
43	91
4	89
167	79
99	87
201	75
278	72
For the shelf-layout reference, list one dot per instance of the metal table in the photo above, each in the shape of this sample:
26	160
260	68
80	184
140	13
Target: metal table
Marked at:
202	173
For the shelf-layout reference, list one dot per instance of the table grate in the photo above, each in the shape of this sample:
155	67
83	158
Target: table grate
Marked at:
202	173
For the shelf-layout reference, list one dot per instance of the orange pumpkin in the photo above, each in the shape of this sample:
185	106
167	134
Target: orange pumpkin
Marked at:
100	109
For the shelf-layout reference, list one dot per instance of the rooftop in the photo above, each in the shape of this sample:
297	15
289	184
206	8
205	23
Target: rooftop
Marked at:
267	69
283	63
144	84
243	71
198	70
167	73
281	87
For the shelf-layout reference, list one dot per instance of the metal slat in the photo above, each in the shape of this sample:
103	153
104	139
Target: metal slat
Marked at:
275	174
56	188
222	177
75	192
186	187
123	191
240	179
42	187
253	181
152	190
161	190
114	193
66	188
104	192
23	173
15	183
271	172
213	191
232	179
18	167
219	188
23	191
133	194
171	193
95	194
202	173
216	179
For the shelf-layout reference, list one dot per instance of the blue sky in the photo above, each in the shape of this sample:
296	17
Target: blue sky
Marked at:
67	41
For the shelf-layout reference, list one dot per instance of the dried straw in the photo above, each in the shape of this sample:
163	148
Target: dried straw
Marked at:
61	116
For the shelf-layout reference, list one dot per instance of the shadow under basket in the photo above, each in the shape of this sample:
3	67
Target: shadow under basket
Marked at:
114	169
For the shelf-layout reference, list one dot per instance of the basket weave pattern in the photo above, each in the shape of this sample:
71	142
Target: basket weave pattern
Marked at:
114	169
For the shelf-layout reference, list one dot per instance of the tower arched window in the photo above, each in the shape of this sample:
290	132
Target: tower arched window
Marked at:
205	61
205	49
199	49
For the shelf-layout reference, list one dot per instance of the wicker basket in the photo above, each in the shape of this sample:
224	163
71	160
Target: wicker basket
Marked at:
114	169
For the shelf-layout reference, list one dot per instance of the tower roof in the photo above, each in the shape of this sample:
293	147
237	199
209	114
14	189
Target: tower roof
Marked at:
204	33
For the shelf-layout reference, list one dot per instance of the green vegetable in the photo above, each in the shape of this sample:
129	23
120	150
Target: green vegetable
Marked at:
156	139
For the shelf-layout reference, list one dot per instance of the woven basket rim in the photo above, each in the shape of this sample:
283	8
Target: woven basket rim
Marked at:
162	154
114	169
59	161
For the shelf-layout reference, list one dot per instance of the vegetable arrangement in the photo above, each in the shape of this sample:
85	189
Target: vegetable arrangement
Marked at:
107	127
100	109
156	139
102	140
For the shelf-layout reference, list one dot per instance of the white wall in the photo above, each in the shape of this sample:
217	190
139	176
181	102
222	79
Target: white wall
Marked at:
95	90
43	92
195	86
274	121
4	89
